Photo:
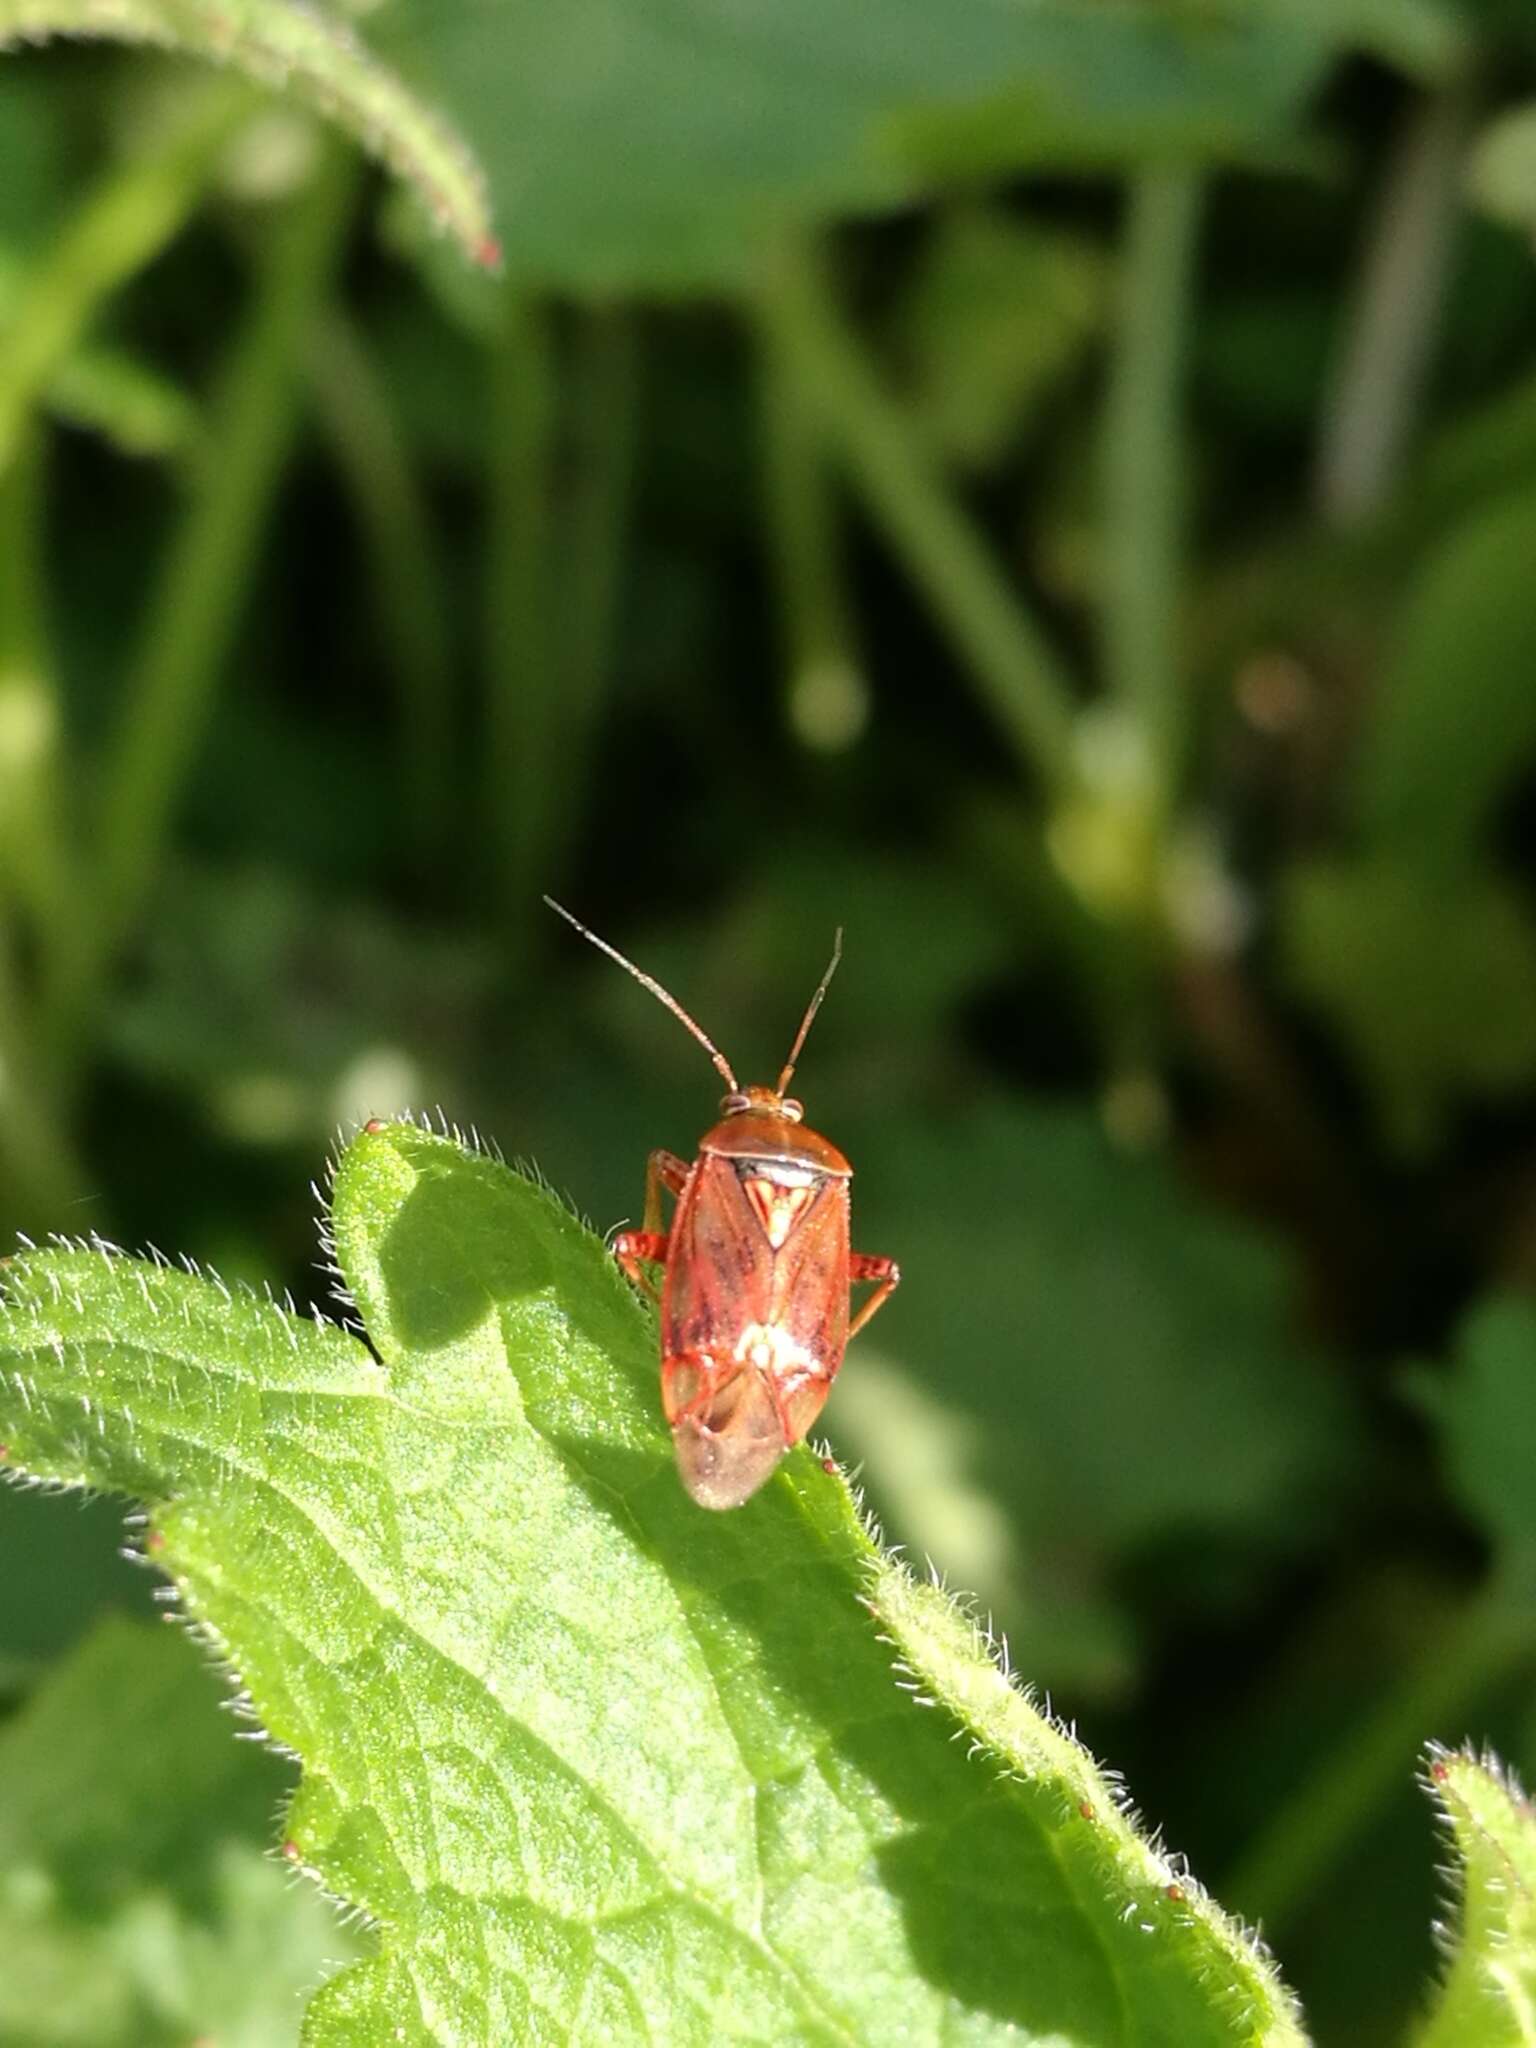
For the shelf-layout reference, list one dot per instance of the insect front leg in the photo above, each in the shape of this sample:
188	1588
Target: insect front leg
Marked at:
662	1170
635	1249
887	1277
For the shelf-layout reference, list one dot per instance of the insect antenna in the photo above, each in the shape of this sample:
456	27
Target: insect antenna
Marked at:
662	996
810	1013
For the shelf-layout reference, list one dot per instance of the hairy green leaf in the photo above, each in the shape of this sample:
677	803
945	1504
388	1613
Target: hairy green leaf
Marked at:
600	1765
304	50
1488	1999
137	1909
641	143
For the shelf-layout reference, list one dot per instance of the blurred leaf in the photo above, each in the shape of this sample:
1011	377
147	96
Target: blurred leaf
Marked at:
1501	175
997	312
1430	977
1177	81
282	1013
1455	715
598	1763
1488	1998
632	144
305	50
136	1907
34	155
747	976
61	1569
1125	1350
919	1457
1487	1411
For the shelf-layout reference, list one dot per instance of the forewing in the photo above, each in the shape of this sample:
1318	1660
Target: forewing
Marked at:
809	1289
719	1265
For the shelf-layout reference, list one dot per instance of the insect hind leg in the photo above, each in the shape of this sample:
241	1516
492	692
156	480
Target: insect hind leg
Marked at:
884	1272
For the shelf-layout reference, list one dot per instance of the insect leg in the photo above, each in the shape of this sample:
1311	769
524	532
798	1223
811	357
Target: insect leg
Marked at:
662	1170
884	1272
632	1248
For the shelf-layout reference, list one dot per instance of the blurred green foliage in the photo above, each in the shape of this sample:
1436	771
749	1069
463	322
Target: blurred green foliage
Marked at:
138	1908
1052	490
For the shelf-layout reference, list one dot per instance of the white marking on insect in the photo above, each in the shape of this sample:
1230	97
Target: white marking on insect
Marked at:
770	1348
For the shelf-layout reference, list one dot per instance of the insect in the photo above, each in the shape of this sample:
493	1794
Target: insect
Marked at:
755	1311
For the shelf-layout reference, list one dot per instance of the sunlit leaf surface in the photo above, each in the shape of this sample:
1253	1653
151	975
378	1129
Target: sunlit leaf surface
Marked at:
599	1765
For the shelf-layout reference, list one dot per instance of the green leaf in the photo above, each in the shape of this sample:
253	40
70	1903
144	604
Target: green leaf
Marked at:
600	1765
1454	717
1488	1999
1430	977
632	143
281	1012
305	51
137	1909
1126	1349
1487	1410
1501	175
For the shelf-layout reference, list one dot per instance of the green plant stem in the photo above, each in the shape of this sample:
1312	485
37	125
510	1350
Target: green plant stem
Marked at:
826	697
133	213
196	609
1008	657
521	789
41	1174
36	854
1291	1862
1393	322
1143	462
604	411
354	409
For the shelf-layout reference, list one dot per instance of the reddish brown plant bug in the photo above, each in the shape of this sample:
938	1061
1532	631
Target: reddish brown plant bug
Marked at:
757	1272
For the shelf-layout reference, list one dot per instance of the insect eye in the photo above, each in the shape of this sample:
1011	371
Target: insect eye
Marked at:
733	1105
792	1109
